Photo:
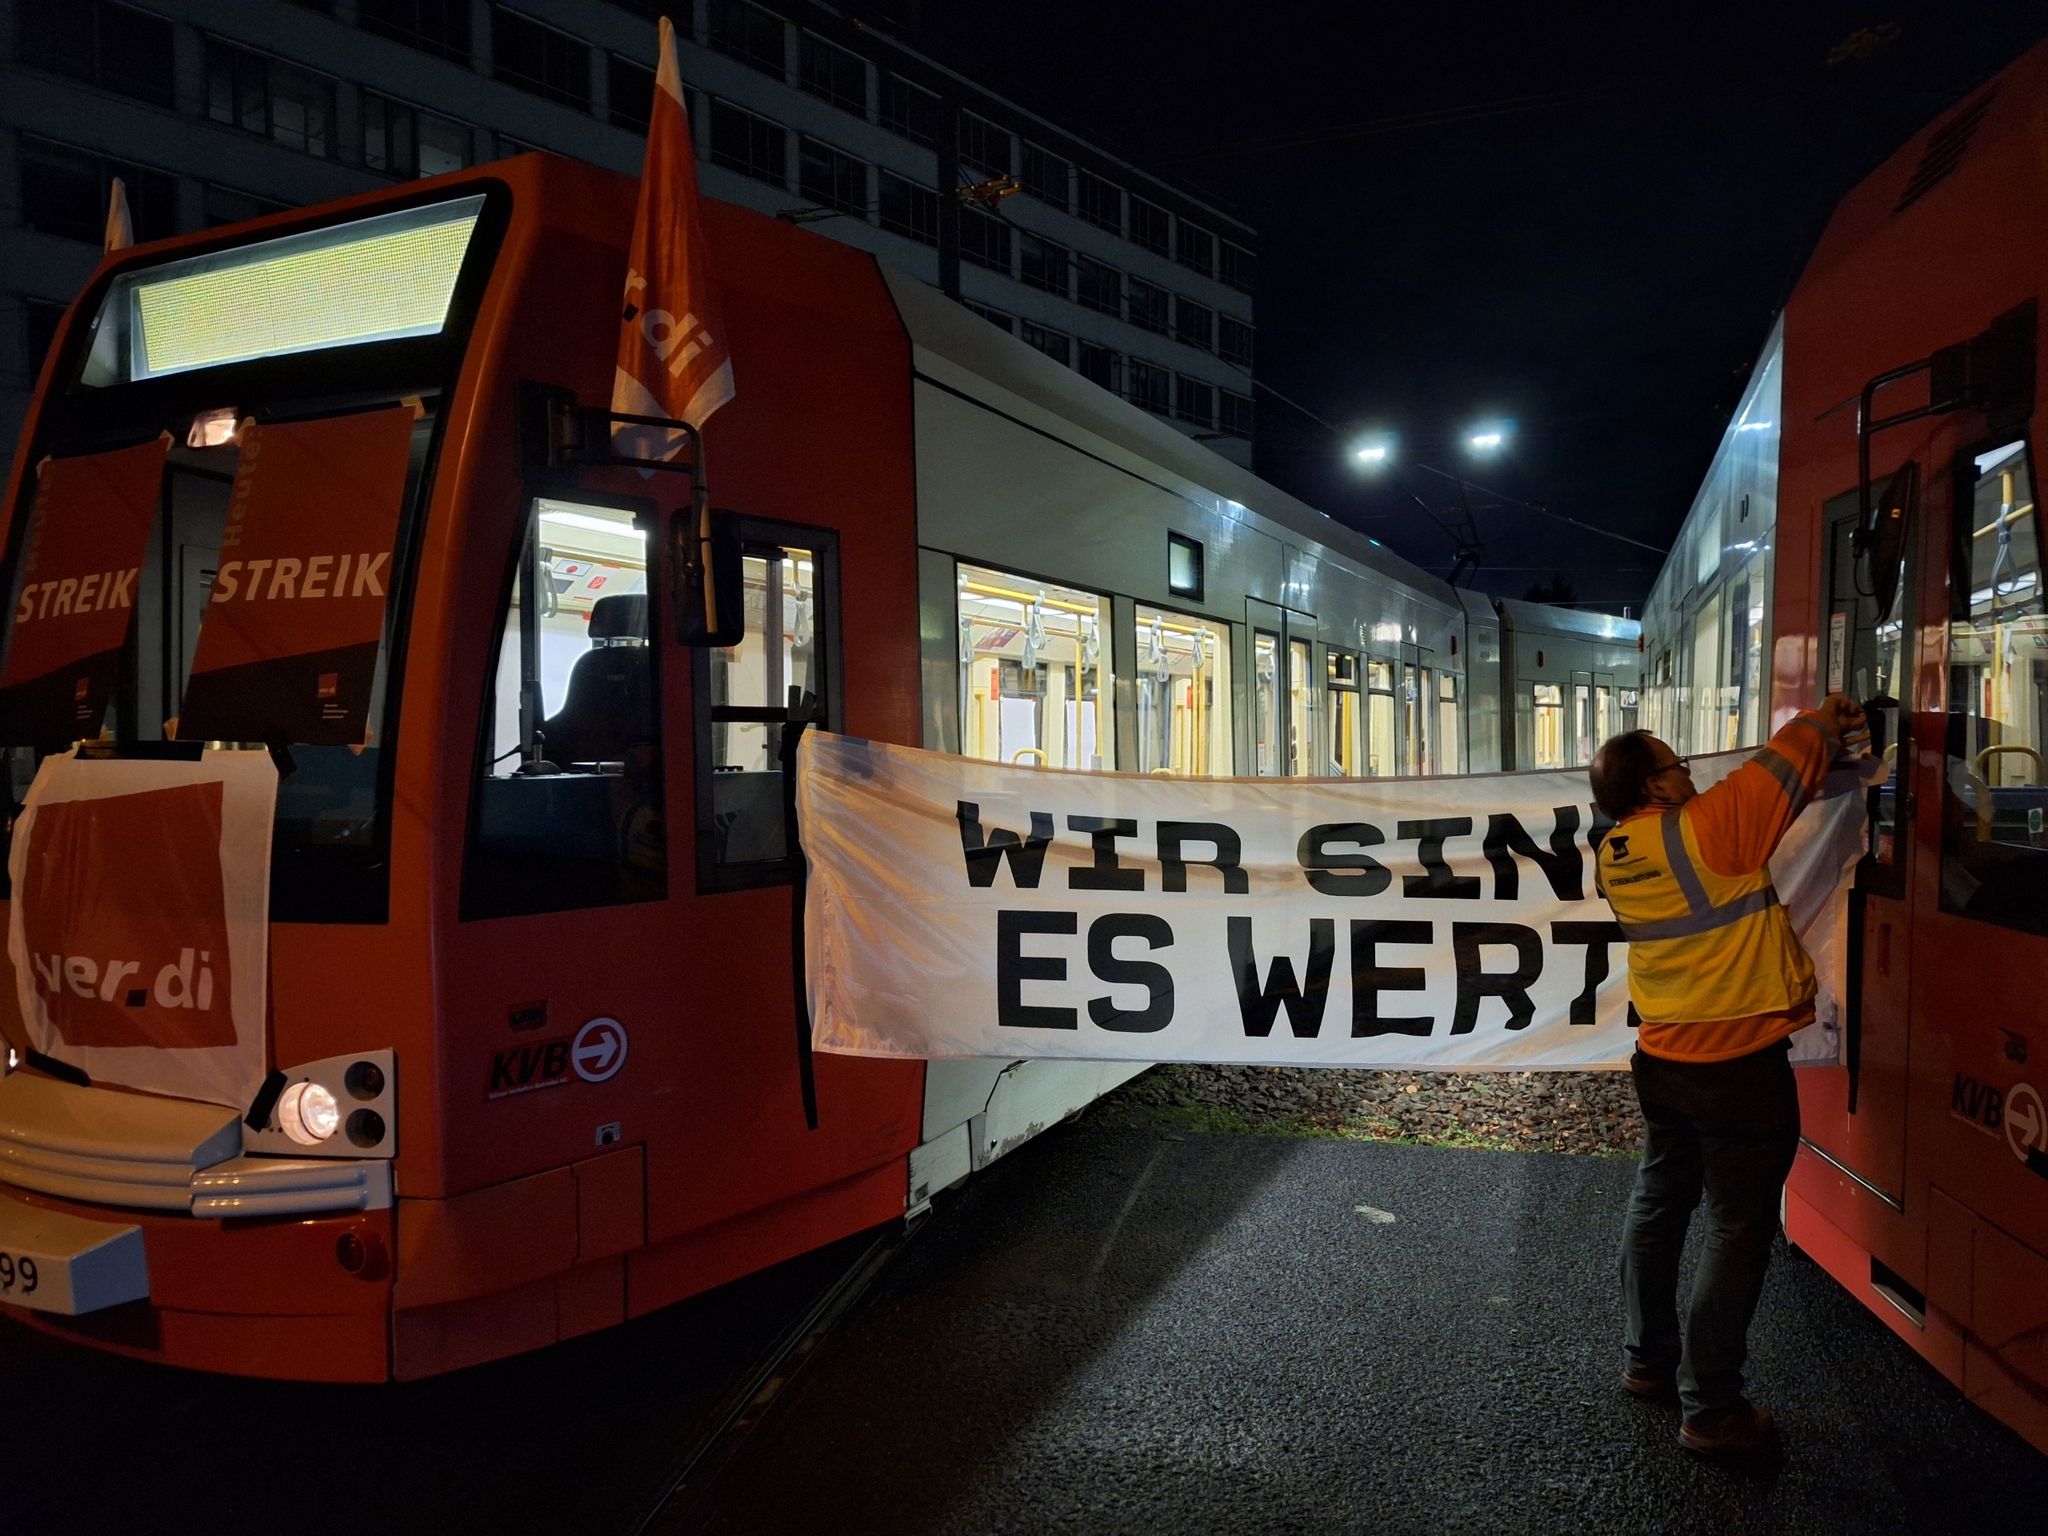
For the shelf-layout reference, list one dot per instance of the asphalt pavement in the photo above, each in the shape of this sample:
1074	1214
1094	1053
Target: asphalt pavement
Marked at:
1107	1331
1119	1331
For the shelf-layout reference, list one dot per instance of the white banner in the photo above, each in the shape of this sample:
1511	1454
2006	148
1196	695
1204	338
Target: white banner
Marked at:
140	921
965	908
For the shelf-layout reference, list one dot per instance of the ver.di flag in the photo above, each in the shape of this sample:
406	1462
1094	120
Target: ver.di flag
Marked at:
673	360
963	908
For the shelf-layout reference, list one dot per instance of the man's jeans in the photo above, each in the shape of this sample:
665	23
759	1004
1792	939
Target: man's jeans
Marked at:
1728	1128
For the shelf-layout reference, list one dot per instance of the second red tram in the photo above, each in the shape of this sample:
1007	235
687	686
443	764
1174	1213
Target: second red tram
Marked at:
1902	393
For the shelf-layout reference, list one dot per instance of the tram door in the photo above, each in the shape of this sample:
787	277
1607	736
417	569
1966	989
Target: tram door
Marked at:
1283	691
1868	654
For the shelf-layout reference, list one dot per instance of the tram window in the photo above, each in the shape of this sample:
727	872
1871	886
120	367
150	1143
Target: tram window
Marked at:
1582	722
1346	717
1379	718
1036	684
791	593
1867	655
1995	844
1605	724
1704	730
1183	693
1266	725
1412	732
1300	711
1448	754
1540	725
569	807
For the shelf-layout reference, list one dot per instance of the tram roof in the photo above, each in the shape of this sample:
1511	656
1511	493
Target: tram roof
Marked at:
958	349
1526	618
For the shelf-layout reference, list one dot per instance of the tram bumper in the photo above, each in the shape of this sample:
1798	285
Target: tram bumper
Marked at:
151	1233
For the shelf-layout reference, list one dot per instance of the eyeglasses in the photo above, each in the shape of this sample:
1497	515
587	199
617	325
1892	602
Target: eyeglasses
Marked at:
1676	762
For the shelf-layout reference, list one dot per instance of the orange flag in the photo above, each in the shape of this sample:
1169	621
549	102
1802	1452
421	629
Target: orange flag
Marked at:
673	359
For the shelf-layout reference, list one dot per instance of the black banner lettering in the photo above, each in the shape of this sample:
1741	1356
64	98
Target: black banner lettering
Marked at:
1561	864
1174	836
1260	1003
1369	978
1475	983
985	855
1155	978
1596	937
1313	854
1014	968
1436	878
1105	874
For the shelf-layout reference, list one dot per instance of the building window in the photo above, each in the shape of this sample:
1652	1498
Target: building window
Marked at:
1194	401
1237	269
1150	226
1195	247
629	93
267	96
39	322
432	26
984	148
1194	323
404	141
1151	386
1234	413
1046	176
1043	263
1233	341
110	46
830	178
64	192
1149	306
224	205
995	317
1098	285
751	145
540	59
984	241
747	33
1101	366
1101	202
830	72
908	209
1056	345
909	110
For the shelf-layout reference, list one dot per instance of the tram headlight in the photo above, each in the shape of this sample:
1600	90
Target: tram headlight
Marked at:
308	1113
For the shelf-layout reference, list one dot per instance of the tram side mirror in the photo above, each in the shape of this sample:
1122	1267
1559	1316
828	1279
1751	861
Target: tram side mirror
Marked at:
1880	544
709	579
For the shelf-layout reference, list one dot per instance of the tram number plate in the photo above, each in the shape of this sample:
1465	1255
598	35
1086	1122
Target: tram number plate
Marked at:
22	1278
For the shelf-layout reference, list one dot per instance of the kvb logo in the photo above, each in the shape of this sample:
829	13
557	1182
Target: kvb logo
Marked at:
595	1054
124	920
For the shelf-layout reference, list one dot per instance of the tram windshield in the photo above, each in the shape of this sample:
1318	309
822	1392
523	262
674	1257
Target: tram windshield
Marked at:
1995	860
325	356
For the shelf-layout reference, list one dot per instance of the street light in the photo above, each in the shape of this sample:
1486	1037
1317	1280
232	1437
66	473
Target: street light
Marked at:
1373	452
1489	437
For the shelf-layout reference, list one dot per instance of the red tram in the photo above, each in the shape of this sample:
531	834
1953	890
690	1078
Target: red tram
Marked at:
1908	567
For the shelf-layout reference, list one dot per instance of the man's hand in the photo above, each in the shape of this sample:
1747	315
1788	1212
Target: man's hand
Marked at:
1839	715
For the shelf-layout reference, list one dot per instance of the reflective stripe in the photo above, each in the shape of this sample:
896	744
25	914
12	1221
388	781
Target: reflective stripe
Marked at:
1810	723
1702	922
1681	864
1784	770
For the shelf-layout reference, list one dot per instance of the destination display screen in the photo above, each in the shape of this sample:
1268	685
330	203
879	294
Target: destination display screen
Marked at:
377	279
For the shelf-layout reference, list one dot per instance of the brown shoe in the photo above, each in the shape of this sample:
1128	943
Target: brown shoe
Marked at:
1649	1384
1742	1429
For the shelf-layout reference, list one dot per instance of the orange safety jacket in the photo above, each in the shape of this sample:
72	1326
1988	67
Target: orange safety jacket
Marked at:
1714	967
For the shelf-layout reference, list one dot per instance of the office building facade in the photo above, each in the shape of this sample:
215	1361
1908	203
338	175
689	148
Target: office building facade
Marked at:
212	111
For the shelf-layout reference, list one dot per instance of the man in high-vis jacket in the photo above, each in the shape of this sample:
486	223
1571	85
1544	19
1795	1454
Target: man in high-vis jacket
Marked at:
1721	983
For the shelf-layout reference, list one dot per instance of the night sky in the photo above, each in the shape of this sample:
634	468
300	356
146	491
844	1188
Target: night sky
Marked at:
1542	212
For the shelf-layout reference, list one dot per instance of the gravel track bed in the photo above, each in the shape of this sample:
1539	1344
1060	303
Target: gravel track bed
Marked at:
1525	1111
